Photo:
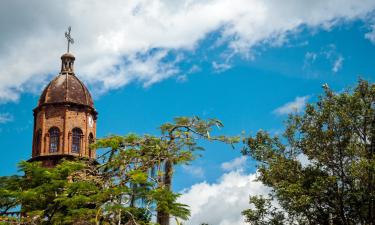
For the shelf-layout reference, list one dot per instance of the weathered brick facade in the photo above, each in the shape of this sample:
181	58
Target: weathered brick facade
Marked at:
65	118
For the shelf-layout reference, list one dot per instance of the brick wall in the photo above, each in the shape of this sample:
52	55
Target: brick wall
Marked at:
65	118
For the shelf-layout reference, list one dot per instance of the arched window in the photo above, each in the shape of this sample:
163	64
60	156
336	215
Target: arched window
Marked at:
76	140
91	141
38	141
54	135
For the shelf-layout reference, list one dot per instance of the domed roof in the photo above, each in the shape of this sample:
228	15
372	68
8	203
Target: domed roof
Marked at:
66	88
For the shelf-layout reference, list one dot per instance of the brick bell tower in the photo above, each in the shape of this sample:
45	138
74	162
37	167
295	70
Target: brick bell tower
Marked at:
65	118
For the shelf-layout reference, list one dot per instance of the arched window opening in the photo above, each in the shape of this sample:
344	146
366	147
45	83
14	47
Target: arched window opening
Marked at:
54	135
91	141
38	141
76	140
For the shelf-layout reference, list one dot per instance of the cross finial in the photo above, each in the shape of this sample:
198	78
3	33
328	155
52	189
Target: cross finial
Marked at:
69	38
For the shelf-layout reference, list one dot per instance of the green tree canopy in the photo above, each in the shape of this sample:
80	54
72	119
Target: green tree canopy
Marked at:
130	185
336	184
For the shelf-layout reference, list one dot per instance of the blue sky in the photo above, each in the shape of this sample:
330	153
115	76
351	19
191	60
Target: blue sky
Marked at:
249	81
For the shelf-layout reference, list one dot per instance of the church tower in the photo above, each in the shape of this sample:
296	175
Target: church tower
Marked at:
65	118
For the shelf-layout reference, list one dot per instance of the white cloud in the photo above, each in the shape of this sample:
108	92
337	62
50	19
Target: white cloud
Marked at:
327	55
221	203
220	67
337	64
118	42
194	69
5	118
235	164
195	171
304	160
295	106
311	56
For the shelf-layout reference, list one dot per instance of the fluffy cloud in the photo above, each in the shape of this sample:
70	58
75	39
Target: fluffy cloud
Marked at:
235	164
304	160
291	107
118	42
221	203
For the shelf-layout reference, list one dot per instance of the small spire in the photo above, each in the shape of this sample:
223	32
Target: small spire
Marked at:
69	38
67	60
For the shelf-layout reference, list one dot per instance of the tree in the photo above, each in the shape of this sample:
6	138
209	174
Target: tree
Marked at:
181	138
8	190
264	213
176	145
132	182
57	195
335	183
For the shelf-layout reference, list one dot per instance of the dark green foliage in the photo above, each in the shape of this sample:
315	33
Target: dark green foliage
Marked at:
337	186
8	193
264	213
65	194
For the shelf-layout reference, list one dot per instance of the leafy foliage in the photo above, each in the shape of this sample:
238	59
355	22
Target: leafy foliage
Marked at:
336	184
264	213
155	157
132	182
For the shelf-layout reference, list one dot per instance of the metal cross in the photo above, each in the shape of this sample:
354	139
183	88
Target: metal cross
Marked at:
69	38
